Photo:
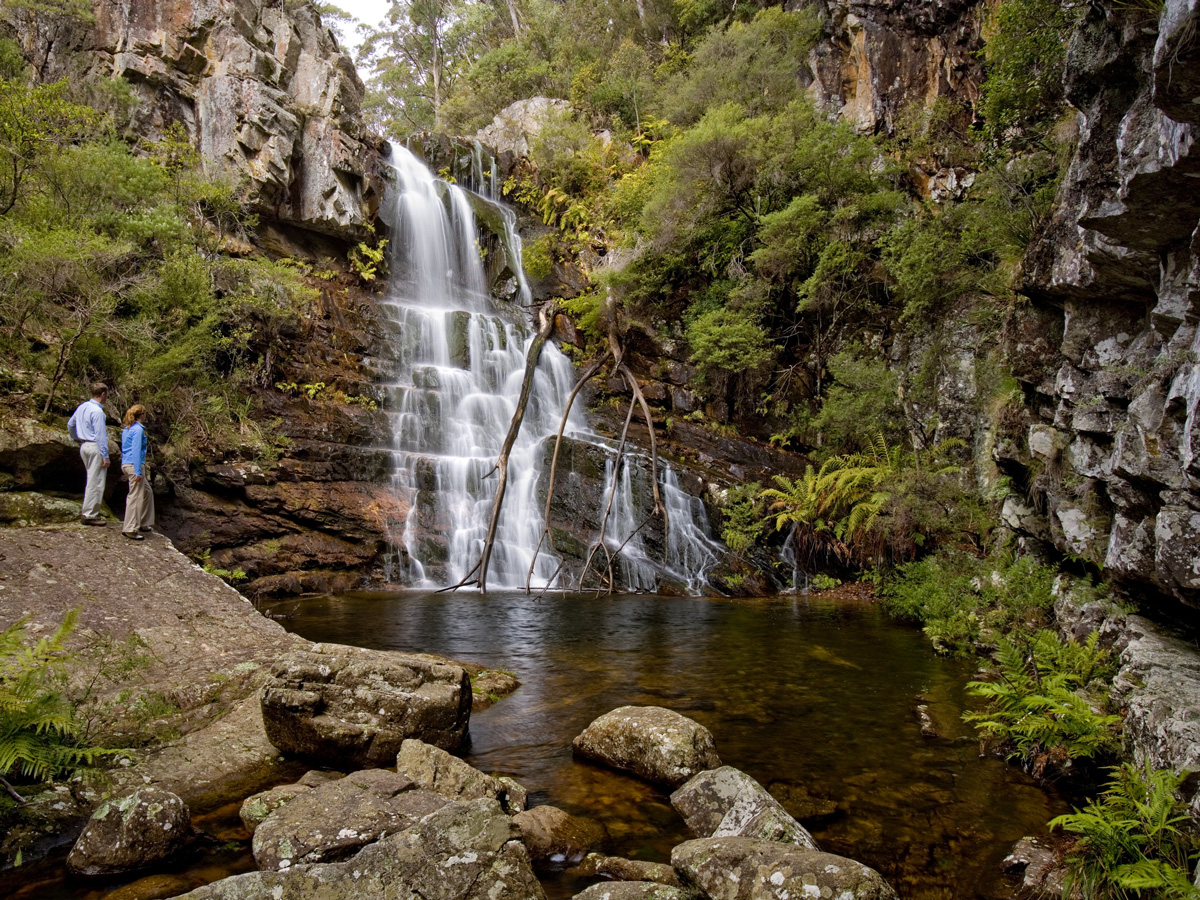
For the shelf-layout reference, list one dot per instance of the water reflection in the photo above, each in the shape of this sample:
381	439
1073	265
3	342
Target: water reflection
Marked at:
815	699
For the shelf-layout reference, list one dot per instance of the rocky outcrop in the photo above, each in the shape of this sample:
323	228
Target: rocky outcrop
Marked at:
1113	436
263	90
335	820
726	802
511	131
653	743
634	890
878	58
332	703
132	832
464	851
746	869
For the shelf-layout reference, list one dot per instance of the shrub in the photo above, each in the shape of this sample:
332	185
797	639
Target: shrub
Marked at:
1136	841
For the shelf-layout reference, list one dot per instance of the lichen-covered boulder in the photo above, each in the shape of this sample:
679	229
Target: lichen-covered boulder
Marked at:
555	838
737	868
634	890
727	802
464	851
356	707
433	769
651	742
333	820
257	807
130	833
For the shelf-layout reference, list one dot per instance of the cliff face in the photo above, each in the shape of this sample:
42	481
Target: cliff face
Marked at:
1114	437
262	88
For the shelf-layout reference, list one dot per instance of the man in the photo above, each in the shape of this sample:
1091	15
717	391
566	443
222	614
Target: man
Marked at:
87	426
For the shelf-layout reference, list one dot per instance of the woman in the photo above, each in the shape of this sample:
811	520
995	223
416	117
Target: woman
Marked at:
139	505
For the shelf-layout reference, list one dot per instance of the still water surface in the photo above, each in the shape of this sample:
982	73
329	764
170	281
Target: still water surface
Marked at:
816	698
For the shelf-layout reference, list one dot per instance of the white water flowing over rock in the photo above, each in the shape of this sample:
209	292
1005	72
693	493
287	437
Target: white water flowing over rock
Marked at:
459	361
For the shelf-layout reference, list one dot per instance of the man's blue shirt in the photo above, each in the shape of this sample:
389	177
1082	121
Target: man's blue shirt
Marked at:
133	447
89	424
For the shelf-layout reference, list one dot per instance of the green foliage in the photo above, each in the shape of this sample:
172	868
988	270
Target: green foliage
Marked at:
742	521
1035	709
962	600
1025	52
537	257
366	261
1135	842
727	340
751	64
39	735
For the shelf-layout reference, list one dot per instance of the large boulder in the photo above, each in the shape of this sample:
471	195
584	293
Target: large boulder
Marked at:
333	820
654	743
727	802
257	807
433	769
738	868
138	830
357	707
618	868
464	851
555	838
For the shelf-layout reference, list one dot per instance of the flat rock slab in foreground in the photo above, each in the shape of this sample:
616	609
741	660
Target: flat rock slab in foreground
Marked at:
332	821
345	706
651	742
464	851
745	869
727	802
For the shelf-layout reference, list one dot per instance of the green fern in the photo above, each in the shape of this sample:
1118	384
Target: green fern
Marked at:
1034	710
1135	842
38	731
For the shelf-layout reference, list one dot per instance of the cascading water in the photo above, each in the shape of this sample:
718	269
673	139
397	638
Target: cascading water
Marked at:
459	365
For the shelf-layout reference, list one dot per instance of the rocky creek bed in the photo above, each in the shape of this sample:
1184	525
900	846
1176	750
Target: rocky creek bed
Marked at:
802	723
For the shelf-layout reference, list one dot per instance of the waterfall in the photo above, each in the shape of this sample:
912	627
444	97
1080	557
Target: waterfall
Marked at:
458	362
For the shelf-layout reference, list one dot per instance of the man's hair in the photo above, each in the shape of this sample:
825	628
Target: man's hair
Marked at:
98	388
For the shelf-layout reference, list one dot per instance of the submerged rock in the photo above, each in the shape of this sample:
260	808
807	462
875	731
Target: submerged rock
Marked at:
433	769
727	802
135	831
556	839
345	705
464	851
333	820
651	742
746	869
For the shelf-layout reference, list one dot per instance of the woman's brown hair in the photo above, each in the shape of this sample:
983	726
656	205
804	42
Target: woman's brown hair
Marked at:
132	414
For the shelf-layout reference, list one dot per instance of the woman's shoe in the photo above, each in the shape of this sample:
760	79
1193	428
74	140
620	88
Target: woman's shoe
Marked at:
132	535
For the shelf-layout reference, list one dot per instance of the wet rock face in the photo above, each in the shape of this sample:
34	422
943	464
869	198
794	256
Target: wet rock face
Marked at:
1114	427
341	704
746	869
130	833
464	851
263	90
726	802
651	742
334	820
